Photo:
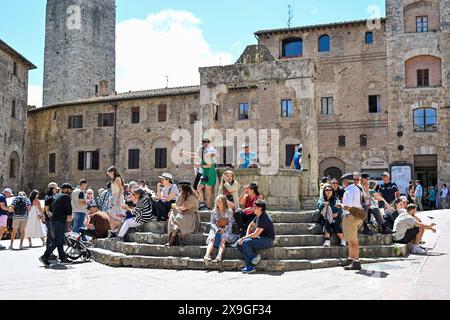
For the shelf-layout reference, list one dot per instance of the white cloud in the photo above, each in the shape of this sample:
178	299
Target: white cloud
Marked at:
168	43
35	95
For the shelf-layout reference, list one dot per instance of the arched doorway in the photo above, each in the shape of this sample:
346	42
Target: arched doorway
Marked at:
333	172
332	167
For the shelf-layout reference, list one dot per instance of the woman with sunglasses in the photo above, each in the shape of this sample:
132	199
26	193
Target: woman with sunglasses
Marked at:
331	215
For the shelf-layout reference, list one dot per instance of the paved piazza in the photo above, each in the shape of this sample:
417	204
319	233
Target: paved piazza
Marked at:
419	277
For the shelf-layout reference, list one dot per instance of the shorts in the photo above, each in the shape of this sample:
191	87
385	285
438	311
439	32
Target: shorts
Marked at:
3	221
410	236
17	223
351	225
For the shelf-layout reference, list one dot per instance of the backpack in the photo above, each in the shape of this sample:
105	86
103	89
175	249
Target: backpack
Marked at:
20	209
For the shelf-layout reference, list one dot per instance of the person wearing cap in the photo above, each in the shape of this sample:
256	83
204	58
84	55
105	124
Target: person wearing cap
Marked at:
61	215
52	190
245	157
99	223
21	207
389	190
184	218
167	194
297	159
351	224
4	212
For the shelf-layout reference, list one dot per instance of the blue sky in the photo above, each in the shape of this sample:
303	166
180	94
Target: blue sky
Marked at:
226	26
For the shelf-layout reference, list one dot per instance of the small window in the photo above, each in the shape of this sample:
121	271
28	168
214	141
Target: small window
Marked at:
425	119
96	89
15	68
243	111
341	141
135	115
422	24
286	108
363	140
193	118
369	37
13	109
55	115
324	43
160	158
292	47
106	119
76	122
374	104
162	113
133	159
423	78
12	168
327	105
88	160
52	163
290	151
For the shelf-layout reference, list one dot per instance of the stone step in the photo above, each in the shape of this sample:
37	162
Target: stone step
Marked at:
281	228
280	241
283	253
115	259
277	216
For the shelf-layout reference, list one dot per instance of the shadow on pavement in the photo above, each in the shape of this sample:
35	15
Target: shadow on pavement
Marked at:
373	273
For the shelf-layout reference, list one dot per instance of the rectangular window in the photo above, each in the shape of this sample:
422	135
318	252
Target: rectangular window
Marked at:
341	141
243	111
327	105
76	122
363	140
162	113
423	77
160	158
13	109
374	104
88	160
286	108
290	151
422	24
52	163
96	89
15	68
12	168
193	118
106	120
135	115
133	159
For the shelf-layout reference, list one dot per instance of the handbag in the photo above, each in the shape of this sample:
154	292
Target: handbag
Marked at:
358	212
222	223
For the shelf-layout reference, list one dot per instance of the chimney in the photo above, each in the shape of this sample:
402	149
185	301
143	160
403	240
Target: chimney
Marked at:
104	89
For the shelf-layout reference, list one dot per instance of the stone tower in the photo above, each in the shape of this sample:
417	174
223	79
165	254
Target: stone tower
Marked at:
80	53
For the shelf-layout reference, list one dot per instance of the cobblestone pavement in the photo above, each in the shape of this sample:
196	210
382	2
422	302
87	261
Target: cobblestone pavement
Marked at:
419	277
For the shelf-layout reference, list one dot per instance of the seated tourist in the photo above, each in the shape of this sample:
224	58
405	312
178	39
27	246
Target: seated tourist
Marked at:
373	200
260	235
391	214
184	218
142	212
248	198
221	229
408	229
229	187
98	224
331	215
167	193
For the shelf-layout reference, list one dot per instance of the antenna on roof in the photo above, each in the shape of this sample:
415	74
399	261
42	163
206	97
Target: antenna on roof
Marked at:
290	14
167	81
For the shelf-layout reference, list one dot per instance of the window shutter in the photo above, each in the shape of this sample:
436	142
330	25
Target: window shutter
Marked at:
96	160
81	160
162	113
290	150
100	120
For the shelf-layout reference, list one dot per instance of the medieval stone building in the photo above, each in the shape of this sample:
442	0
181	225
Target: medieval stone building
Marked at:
370	96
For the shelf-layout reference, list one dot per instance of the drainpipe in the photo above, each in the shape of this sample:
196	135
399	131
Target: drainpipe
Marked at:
115	105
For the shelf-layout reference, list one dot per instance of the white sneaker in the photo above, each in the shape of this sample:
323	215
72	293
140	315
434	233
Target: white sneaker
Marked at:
327	243
256	260
417	250
207	258
343	243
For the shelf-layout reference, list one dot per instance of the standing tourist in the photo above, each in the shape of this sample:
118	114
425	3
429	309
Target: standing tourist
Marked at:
79	202
117	199
184	218
52	190
351	223
418	193
245	157
4	212
61	215
444	196
431	198
229	187
21	206
103	198
389	190
35	217
297	159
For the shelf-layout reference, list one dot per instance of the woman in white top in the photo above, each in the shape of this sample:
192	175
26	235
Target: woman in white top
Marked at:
167	194
34	223
117	199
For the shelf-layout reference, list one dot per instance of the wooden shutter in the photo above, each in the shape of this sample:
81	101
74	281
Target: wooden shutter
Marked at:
133	159
96	160
161	158
162	113
290	150
81	160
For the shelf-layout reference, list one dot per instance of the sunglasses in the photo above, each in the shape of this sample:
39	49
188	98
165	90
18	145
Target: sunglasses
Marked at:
326	190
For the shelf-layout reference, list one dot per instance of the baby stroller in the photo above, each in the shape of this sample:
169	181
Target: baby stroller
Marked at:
76	247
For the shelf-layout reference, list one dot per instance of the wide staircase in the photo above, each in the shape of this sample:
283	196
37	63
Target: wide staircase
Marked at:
298	246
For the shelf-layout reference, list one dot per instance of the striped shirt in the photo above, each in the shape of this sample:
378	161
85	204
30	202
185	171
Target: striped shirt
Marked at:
143	212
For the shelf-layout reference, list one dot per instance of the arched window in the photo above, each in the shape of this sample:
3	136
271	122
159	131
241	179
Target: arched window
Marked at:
324	43
423	71
333	172
292	47
425	119
369	37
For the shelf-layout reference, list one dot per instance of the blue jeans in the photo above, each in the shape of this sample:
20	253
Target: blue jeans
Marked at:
58	231
48	224
78	222
249	245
